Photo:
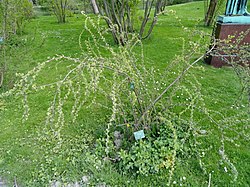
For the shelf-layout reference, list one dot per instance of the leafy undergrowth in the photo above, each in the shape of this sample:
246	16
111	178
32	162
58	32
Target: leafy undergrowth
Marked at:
187	141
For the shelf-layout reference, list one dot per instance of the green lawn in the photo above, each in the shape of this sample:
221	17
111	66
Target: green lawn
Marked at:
28	149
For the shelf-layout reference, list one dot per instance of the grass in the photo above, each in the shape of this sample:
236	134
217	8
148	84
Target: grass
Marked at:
23	152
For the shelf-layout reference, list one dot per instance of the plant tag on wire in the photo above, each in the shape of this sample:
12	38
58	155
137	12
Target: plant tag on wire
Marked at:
132	86
1	40
139	135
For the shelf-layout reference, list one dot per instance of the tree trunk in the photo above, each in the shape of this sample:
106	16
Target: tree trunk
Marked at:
119	17
149	6
211	12
95	7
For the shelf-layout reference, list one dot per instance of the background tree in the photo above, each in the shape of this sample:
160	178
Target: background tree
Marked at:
210	12
213	7
120	17
63	8
95	7
159	4
14	14
59	8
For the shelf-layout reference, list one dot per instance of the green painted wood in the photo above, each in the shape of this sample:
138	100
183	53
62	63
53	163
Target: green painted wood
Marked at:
236	7
234	19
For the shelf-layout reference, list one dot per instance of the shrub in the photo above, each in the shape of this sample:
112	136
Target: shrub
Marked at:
14	15
168	107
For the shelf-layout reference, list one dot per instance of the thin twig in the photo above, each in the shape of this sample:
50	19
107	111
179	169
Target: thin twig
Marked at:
209	180
15	182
